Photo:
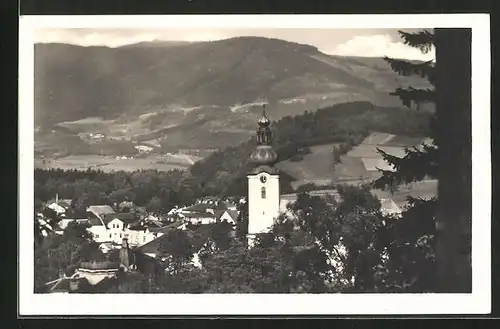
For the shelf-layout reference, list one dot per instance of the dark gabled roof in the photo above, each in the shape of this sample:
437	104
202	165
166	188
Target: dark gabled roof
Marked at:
221	206
94	221
153	246
64	285
200	215
66	203
166	228
127	218
199	207
200	236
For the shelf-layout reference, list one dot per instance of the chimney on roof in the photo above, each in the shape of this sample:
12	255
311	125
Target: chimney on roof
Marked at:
126	256
57	198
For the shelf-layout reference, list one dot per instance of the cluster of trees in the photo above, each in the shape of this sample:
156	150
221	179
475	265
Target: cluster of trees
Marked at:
342	148
60	254
155	190
328	245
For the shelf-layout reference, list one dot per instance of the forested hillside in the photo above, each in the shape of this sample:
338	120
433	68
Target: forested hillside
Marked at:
350	122
224	172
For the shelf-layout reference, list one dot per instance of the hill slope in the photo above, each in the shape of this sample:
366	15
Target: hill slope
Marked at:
225	171
204	87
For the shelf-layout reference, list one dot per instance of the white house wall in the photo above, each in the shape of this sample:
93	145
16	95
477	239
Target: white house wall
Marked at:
99	233
116	230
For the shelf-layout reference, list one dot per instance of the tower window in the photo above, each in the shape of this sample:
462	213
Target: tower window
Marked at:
263	192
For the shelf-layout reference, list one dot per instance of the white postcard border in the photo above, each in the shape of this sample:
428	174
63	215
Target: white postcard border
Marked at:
478	302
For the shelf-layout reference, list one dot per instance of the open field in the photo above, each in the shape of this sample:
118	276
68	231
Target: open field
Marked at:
425	189
314	168
107	163
361	164
404	141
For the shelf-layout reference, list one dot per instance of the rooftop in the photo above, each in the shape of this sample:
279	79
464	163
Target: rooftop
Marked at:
199	207
127	218
232	213
100	210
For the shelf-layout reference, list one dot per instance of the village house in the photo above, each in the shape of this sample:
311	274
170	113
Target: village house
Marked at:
60	206
203	218
201	240
125	206
208	211
139	235
229	216
95	276
200	234
108	226
199	208
63	223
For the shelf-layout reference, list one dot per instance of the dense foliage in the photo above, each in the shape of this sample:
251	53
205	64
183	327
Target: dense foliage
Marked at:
60	254
155	190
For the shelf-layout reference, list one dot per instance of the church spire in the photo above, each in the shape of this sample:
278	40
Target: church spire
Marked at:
264	134
264	154
264	121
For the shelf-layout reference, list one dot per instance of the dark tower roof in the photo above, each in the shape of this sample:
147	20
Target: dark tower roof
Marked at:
264	153
264	121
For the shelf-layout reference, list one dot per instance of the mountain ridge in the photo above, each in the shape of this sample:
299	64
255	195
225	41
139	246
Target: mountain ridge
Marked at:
180	83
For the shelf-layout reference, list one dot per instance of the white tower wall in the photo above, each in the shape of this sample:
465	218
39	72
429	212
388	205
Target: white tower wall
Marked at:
262	212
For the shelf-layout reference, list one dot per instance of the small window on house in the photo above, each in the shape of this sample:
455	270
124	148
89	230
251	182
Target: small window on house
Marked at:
120	235
144	239
110	235
263	192
97	236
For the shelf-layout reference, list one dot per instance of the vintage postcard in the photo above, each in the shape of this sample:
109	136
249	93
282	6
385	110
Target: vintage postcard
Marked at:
254	165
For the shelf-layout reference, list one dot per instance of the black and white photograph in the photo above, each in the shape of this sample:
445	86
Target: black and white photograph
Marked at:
281	164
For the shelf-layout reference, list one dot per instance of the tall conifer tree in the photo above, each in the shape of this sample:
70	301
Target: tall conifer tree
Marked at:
448	157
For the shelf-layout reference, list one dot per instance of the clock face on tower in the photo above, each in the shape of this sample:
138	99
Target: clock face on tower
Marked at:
263	179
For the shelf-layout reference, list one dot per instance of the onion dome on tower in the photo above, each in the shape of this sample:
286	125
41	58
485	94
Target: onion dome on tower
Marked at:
264	155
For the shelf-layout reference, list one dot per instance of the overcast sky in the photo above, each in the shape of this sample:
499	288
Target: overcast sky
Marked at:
348	42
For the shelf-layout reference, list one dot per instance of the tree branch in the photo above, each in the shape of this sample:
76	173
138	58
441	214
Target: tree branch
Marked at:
411	95
405	68
423	40
415	166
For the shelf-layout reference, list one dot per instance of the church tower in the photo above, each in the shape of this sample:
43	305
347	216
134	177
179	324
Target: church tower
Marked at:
263	183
